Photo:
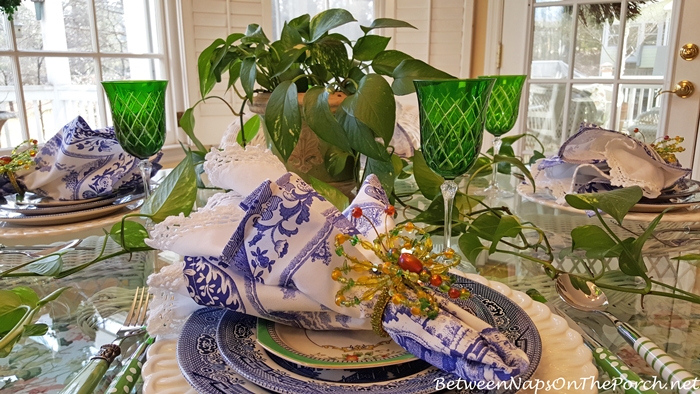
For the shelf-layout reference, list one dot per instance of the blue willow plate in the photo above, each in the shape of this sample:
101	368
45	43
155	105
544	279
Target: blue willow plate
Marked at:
200	361
236	340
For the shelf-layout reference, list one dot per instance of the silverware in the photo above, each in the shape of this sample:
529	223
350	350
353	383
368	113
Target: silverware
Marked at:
594	300
34	253
605	359
88	378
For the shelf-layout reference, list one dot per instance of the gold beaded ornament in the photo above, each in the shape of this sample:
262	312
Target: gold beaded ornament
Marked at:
666	147
22	158
407	264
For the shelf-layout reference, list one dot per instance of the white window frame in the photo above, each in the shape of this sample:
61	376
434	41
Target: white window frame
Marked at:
166	33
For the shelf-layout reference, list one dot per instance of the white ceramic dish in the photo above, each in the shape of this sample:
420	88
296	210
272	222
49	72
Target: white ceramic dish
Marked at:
68	217
330	349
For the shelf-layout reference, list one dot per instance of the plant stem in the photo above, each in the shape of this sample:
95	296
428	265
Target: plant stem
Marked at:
656	282
695	299
242	124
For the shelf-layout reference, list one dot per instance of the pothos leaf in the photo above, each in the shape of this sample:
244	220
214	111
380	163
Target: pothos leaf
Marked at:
32	330
283	118
615	203
47	266
509	227
330	193
133	237
428	181
470	246
249	130
175	195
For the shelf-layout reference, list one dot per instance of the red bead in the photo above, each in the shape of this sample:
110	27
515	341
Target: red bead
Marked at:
5	160
666	137
454	293
410	263
390	210
357	212
436	280
34	142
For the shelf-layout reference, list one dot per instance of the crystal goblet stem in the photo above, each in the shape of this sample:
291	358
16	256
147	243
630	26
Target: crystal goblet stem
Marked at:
493	184
449	190
146	167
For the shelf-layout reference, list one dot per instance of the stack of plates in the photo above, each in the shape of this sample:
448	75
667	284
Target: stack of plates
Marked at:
32	210
685	194
225	351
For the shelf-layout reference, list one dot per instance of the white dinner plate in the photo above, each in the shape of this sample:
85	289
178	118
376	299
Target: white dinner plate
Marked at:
29	209
70	217
46	202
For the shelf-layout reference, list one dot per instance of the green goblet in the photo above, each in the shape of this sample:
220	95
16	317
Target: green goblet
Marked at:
500	118
452	113
138	113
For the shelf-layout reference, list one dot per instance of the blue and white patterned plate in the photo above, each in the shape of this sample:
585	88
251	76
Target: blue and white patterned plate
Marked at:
200	360
236	340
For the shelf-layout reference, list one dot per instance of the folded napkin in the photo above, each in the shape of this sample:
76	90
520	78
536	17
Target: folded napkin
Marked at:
278	263
79	163
595	159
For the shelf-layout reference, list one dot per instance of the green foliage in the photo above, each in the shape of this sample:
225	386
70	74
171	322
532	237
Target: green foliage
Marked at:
309	59
615	203
176	193
17	309
249	130
129	235
330	193
428	181
9	7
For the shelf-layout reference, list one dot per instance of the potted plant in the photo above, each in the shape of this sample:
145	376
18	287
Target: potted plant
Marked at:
317	90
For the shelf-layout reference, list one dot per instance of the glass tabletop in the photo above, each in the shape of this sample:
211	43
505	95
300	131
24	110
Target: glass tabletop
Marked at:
43	364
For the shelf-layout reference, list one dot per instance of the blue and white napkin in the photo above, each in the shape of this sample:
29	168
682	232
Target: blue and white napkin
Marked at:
278	264
596	159
79	163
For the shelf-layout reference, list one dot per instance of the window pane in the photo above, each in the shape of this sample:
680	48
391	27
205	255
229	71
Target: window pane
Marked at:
638	109
544	115
10	128
77	22
590	103
597	38
133	34
647	40
64	26
56	90
550	49
117	69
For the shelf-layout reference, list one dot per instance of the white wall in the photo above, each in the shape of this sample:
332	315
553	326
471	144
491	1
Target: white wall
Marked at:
443	39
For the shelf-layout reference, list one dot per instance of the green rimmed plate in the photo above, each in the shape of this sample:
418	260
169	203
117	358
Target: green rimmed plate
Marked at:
341	349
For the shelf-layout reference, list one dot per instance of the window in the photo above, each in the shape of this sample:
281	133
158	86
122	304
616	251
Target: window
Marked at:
363	10
54	54
580	73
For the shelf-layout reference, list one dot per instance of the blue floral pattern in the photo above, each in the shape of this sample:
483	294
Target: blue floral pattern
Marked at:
80	163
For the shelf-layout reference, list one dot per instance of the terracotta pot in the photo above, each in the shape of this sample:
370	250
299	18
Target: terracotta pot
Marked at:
308	157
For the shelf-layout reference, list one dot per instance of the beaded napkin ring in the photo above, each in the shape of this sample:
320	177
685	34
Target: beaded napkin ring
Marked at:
19	160
408	266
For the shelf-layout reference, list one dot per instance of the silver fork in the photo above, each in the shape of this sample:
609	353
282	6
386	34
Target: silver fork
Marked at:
88	378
